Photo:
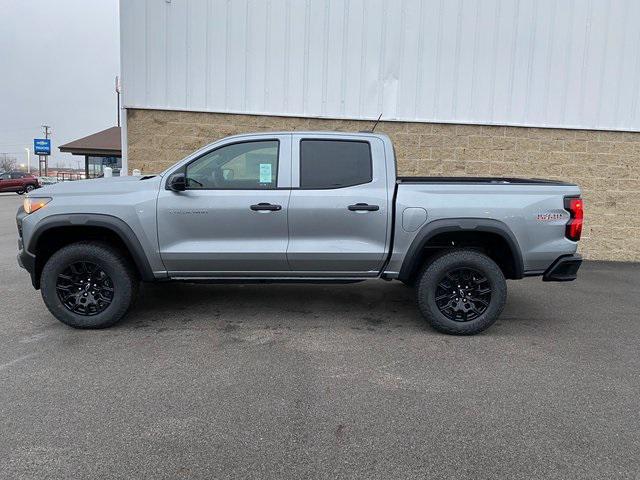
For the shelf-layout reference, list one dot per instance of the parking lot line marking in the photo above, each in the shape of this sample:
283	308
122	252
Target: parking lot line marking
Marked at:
17	360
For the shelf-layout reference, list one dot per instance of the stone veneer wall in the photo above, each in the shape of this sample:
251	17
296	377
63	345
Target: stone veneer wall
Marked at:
605	164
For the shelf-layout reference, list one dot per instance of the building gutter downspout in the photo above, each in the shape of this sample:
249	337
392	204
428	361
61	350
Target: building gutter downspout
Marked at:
124	171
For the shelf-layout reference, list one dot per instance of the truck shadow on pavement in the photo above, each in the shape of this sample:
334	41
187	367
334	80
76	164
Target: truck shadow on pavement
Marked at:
368	306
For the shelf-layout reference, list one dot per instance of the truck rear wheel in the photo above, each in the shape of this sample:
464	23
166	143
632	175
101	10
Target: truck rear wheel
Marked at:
461	292
88	285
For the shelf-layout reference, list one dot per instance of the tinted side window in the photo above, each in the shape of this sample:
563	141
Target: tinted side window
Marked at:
240	166
17	175
334	163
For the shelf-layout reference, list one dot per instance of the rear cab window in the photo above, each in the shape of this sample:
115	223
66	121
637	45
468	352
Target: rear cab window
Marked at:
327	164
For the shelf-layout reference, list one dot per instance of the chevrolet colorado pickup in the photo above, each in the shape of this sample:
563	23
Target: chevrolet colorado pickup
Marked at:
304	207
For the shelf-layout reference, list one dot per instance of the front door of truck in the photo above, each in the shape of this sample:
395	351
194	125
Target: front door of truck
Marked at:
231	221
339	208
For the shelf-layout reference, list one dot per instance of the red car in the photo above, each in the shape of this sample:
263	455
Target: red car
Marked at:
18	182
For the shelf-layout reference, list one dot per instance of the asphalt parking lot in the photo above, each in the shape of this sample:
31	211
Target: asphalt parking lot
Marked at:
299	381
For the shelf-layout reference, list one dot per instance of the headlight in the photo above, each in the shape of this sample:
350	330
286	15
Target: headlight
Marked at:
31	204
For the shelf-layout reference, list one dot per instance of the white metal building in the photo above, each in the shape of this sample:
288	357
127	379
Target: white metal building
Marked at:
550	63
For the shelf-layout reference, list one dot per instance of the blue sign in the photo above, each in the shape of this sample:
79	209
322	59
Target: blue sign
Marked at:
41	146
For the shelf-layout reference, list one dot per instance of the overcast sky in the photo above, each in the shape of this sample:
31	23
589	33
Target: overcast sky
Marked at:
58	61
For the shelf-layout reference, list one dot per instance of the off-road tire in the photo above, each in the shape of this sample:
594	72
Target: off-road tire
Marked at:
432	275
112	262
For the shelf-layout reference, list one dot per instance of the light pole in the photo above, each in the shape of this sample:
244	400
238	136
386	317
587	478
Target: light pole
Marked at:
28	159
118	98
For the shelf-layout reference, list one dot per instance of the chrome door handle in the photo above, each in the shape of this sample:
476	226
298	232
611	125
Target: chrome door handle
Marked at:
363	207
266	206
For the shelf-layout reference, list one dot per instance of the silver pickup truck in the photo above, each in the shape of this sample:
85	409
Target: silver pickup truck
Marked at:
304	207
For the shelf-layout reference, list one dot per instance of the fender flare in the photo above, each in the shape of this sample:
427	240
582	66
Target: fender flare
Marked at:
114	224
436	227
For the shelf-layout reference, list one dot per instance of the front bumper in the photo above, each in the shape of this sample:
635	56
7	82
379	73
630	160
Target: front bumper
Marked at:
25	259
28	262
564	269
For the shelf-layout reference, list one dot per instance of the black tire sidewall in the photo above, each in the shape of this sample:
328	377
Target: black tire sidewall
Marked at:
29	188
124	284
434	272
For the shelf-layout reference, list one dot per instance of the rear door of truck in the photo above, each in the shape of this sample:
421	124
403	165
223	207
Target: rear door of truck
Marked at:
339	208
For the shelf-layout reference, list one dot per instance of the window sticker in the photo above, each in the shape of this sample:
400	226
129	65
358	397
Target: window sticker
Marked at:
265	173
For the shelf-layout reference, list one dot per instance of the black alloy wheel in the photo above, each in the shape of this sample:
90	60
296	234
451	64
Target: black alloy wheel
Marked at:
463	294
84	288
89	284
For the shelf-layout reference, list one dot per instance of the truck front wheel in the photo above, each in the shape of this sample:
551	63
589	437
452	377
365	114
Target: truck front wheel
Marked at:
88	285
461	292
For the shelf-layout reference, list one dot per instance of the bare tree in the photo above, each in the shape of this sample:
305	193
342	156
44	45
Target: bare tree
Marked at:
7	162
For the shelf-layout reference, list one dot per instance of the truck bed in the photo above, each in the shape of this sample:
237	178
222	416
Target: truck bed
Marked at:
482	180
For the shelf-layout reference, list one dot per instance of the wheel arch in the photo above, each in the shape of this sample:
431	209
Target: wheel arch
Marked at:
474	233
56	231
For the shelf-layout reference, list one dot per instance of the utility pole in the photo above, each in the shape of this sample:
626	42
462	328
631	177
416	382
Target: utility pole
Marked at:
44	159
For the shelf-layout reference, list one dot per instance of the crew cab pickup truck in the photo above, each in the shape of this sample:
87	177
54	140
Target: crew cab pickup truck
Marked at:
304	207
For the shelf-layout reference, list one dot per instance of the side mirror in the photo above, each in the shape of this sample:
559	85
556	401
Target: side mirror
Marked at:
177	182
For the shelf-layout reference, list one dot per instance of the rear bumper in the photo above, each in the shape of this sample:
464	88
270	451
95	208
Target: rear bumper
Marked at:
564	269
